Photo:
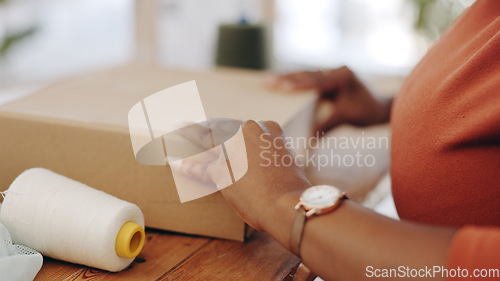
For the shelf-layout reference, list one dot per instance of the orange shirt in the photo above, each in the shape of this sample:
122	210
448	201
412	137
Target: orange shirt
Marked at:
445	155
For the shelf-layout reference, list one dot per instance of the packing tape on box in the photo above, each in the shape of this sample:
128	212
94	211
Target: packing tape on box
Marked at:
67	220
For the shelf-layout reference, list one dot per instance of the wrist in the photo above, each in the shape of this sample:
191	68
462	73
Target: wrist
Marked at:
281	218
385	105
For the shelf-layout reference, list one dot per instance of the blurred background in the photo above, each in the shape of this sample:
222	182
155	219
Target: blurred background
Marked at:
46	40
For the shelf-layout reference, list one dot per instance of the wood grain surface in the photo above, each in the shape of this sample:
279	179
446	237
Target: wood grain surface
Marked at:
168	256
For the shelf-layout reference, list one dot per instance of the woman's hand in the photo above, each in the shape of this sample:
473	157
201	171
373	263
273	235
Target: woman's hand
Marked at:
343	98
272	175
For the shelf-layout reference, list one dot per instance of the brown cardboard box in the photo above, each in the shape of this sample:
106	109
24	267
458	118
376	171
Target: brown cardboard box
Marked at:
78	128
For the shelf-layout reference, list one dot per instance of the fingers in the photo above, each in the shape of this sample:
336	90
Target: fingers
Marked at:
211	166
324	80
191	169
205	168
222	129
253	130
272	127
326	117
209	133
295	81
335	81
197	133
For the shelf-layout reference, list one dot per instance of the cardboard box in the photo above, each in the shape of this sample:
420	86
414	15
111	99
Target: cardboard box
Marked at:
78	128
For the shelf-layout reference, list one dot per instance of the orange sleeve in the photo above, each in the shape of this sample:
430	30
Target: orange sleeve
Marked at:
476	248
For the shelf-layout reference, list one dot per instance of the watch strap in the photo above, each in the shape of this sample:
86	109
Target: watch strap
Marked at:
297	230
298	226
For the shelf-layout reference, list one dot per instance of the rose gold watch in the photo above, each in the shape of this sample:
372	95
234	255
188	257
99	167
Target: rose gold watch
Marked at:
316	200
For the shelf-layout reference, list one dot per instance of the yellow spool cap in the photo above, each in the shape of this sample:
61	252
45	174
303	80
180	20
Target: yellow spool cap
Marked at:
130	240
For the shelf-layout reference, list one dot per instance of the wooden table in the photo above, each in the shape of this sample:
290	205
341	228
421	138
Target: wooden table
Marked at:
168	256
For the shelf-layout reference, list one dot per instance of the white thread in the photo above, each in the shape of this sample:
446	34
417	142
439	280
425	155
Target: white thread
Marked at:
67	220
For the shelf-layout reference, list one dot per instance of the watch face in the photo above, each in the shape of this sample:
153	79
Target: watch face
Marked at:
321	196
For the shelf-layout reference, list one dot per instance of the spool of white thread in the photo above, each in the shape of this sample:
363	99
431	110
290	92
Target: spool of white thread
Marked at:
67	220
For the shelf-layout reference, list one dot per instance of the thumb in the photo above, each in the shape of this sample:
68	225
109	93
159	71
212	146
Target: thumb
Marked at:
326	116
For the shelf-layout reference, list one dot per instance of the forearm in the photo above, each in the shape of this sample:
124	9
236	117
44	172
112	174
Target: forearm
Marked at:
338	245
341	244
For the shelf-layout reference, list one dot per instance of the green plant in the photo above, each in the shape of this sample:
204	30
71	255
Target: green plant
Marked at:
434	16
13	38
